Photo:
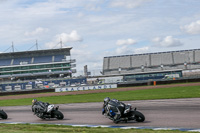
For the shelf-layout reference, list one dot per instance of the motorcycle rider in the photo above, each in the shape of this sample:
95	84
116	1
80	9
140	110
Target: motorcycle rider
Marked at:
118	111
107	101
39	106
45	110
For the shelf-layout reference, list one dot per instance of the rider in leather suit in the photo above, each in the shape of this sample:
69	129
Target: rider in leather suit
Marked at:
40	106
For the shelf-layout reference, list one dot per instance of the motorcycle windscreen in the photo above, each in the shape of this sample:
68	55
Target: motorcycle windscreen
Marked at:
50	107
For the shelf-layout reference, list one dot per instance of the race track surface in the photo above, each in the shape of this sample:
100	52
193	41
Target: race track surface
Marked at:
177	113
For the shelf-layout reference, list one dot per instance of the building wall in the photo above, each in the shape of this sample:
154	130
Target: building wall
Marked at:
126	64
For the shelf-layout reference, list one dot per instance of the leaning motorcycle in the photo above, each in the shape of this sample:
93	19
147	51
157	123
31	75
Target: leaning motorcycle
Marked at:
3	114
118	111
48	111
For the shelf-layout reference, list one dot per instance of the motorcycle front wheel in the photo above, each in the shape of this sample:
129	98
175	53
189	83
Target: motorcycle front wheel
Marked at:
59	115
3	114
139	117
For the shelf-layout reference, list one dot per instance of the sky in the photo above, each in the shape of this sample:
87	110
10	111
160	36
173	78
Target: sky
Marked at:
99	28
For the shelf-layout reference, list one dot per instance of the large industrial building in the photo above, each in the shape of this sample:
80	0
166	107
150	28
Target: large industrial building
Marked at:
152	65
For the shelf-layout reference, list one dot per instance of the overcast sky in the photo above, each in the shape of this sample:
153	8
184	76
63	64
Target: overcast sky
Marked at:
100	28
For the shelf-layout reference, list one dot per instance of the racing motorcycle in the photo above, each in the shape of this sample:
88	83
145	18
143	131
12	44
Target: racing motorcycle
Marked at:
3	114
118	111
45	110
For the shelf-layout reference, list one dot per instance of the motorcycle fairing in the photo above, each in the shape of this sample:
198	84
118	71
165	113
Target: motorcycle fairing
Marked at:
50	107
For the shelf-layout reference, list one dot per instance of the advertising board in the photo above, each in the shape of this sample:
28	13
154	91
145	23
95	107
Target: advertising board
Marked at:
80	88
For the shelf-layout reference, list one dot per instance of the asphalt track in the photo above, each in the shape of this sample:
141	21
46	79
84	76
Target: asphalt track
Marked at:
176	113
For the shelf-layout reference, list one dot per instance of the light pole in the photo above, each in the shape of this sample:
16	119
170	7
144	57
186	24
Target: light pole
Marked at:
142	68
185	59
119	70
161	64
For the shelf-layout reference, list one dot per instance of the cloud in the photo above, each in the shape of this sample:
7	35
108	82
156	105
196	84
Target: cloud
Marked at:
192	28
93	7
168	41
81	55
123	50
124	47
128	3
37	31
65	38
141	50
2	1
84	57
72	37
126	42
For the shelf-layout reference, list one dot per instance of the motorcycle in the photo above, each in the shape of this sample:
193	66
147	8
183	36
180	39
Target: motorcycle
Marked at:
3	114
46	110
118	111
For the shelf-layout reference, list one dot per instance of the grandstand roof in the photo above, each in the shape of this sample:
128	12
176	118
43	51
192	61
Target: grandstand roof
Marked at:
59	51
152	53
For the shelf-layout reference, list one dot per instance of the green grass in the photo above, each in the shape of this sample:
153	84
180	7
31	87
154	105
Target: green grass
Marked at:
161	93
43	128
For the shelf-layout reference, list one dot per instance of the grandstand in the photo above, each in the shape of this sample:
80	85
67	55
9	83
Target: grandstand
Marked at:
36	64
37	69
167	62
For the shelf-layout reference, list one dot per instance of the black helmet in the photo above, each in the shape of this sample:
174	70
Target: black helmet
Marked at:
34	101
106	100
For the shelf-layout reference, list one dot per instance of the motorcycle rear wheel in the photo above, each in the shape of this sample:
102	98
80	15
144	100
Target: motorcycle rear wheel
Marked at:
3	114
59	115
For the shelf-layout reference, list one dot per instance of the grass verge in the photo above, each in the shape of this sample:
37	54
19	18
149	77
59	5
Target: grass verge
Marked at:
149	94
43	128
